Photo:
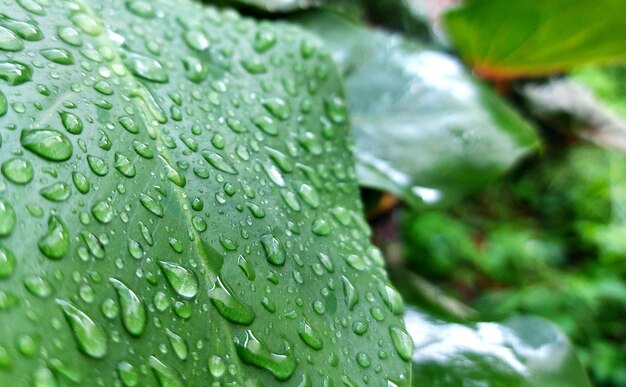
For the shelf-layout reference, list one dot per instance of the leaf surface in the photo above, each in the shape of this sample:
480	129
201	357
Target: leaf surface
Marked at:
178	204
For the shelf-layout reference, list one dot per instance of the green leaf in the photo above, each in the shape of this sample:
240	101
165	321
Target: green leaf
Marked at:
521	351
178	204
424	127
272	5
508	39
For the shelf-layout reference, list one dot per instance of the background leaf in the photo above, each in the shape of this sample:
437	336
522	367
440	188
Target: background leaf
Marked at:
424	128
179	205
521	351
507	39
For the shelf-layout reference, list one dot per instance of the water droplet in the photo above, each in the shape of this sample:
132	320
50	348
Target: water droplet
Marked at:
4	104
178	344
97	165
264	40
391	298
93	244
146	67
166	375
150	204
321	227
183	281
58	55
351	294
128	374
359	327
47	143
309	335
56	192
7	262
124	165
309	195
246	267
141	8
17	170
173	174
81	182
252	351
143	150
219	162
336	110
7	218
254	66
26	30
88	24
196	39
9	40
274	249
37	286
217	366
70	35
32	6
89	336
43	377
357	262
103	212
402	342
280	159
229	306
133	312
277	107
267	125
71	122
363	359
56	242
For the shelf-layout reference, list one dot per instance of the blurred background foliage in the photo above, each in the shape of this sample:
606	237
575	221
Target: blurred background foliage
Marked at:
490	139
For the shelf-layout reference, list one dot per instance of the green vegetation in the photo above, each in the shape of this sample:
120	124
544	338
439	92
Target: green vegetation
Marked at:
186	187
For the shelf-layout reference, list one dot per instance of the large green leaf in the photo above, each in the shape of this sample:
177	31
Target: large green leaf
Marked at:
505	39
423	126
179	205
521	351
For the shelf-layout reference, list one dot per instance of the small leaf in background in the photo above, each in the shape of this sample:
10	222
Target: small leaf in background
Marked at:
509	39
179	204
425	129
521	351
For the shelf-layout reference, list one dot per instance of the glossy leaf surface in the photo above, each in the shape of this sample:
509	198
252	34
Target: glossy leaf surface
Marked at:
178	204
508	39
521	351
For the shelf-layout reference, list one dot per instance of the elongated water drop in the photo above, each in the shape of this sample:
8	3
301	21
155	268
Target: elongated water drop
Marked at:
124	165
18	170
89	336
7	218
7	262
150	204
252	351
146	67
183	281
56	242
9	40
58	55
71	122
402	342
56	192
15	73
219	162
166	375
133	311
274	250
47	143
229	306
178	344
309	335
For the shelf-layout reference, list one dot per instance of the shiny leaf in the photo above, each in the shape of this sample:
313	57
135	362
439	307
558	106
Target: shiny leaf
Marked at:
508	39
425	129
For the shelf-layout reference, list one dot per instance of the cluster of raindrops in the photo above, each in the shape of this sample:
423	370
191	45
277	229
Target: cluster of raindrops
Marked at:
177	188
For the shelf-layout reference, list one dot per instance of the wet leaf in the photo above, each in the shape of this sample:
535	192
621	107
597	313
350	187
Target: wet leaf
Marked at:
178	201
